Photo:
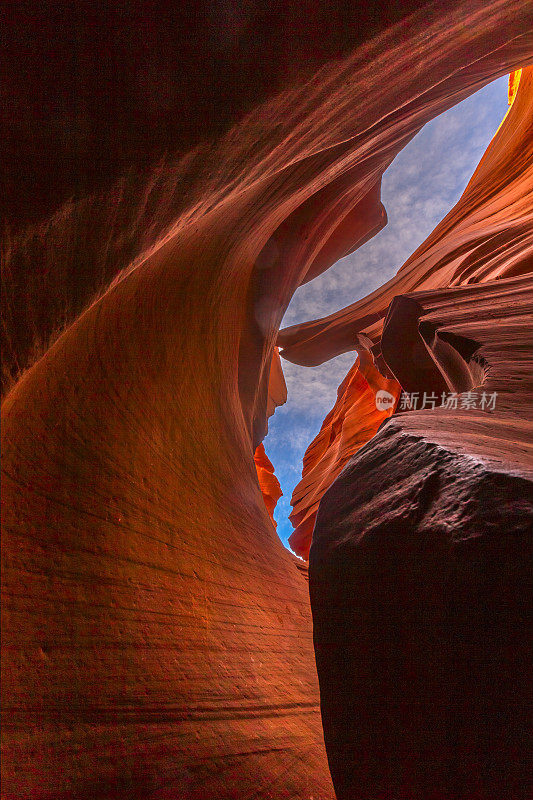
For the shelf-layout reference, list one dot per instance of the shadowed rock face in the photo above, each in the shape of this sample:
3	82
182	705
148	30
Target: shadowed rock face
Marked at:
157	639
418	577
422	547
419	571
94	95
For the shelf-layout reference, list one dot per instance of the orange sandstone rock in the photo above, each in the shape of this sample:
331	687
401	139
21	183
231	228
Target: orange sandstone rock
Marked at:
157	639
268	483
514	80
487	235
365	399
277	396
420	565
418	575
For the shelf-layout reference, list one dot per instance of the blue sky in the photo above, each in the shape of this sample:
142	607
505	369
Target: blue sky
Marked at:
425	180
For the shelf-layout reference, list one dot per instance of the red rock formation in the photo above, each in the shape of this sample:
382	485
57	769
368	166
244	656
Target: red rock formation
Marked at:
486	235
417	574
156	634
420	564
507	235
353	420
268	483
277	396
514	80
277	388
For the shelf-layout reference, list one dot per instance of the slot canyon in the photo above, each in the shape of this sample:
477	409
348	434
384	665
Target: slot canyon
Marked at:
172	177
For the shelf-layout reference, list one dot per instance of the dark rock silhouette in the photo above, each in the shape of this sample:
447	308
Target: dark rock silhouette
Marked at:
420	565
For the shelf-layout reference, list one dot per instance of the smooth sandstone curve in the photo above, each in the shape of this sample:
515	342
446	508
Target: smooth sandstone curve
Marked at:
156	634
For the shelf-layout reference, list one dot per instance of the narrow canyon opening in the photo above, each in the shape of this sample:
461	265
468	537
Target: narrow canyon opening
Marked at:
423	183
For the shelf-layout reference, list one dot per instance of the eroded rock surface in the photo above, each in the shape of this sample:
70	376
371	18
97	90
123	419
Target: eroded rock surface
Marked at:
268	483
353	420
487	235
156	634
418	577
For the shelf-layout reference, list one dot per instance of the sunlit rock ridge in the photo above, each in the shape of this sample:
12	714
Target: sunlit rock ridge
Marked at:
157	637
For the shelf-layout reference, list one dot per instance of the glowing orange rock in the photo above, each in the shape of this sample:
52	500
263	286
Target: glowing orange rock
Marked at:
419	569
268	483
489	210
277	388
493	216
277	396
365	399
514	80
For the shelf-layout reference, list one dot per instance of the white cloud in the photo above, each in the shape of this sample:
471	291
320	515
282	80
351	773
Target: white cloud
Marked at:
423	183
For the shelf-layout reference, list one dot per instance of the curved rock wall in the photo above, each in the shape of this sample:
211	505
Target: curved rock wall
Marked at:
354	419
422	547
156	634
485	236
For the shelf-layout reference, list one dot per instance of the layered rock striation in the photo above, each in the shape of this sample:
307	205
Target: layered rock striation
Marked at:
157	637
365	399
485	236
422	546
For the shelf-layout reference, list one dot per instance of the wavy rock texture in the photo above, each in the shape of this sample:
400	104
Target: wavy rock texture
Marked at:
277	396
156	634
420	561
486	235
